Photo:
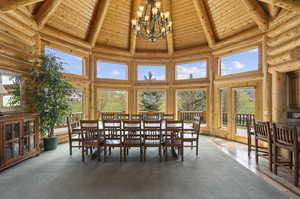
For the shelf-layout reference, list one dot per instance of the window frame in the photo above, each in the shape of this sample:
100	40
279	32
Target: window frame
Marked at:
137	65
114	62
240	50
192	61
69	50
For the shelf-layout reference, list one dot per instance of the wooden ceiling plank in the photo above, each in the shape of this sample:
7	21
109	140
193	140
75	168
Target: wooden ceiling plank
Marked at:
290	5
204	20
273	10
45	11
135	4
170	41
98	21
7	5
257	13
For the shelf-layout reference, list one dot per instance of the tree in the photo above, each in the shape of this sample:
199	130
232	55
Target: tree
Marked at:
191	100
151	100
50	93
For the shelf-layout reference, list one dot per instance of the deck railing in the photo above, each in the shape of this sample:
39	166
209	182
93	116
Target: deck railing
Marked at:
114	114
242	119
189	116
74	117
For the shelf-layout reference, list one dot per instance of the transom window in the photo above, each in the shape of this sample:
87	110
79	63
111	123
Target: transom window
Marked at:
192	70
152	100
151	73
108	70
72	64
112	100
239	62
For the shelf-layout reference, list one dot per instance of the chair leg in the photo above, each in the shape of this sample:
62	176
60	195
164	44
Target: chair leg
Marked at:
121	154
125	154
98	153
296	168
291	160
166	153
270	158
141	153
275	160
145	151
105	153
182	152
109	150
159	151
249	147
197	148
70	145
82	155
256	151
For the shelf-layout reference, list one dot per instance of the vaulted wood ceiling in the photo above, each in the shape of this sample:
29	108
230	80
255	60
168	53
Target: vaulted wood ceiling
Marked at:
106	23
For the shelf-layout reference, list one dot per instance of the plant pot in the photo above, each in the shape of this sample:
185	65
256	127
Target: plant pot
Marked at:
50	143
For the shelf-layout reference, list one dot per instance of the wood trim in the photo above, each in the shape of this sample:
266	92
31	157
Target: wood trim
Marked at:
291	5
7	5
134	8
257	13
205	22
167	7
98	21
46	10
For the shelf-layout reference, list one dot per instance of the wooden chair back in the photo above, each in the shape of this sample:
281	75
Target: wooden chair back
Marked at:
174	129
168	116
89	129
285	136
113	129
136	116
262	131
132	129
152	124
122	116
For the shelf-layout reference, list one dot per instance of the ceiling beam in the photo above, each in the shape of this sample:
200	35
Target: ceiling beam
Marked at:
257	13
167	7
205	22
6	5
135	4
45	11
291	5
98	20
273	10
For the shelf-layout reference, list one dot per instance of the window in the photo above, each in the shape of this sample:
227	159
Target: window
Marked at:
110	100
76	100
151	100
224	107
71	63
191	103
10	91
107	70
240	62
151	73
193	70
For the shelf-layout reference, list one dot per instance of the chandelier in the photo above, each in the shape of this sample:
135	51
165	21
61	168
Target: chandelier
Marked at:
151	23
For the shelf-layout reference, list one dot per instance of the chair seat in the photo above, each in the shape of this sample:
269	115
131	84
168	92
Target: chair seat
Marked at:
131	142
151	142
176	142
91	142
189	139
113	142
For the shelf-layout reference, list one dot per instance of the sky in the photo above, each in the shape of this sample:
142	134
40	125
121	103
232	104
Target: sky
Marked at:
71	63
196	69
240	62
158	72
109	70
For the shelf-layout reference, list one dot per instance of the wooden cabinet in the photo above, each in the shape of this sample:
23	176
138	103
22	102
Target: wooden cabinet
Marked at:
19	138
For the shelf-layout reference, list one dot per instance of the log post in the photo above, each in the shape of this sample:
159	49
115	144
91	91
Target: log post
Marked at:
279	97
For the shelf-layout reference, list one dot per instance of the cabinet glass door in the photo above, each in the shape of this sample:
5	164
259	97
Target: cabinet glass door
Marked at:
12	146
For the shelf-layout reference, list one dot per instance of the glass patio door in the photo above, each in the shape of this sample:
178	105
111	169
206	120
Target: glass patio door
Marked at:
244	106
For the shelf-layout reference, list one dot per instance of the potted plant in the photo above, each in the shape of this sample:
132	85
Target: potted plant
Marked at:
50	97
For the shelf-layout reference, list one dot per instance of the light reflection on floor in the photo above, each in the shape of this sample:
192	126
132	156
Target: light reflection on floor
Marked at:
239	152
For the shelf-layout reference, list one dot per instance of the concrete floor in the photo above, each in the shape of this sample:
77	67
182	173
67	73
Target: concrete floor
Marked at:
212	175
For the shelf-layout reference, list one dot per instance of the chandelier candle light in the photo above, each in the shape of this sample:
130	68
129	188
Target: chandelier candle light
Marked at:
151	24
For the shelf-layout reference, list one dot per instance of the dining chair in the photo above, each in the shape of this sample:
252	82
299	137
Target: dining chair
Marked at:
122	116
136	116
113	135
192	135
250	135
286	138
151	116
107	116
168	116
132	137
152	134
262	133
173	136
90	137
74	133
